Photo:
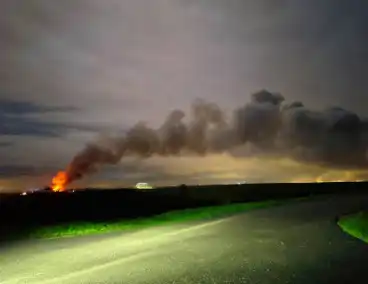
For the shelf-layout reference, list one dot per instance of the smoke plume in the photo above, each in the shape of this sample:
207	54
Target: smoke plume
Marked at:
267	124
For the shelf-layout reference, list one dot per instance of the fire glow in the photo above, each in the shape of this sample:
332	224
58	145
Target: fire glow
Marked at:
59	181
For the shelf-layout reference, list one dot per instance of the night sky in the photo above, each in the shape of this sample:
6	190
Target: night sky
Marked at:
74	69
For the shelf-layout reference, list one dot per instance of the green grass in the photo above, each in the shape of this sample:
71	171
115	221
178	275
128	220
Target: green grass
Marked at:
203	213
356	225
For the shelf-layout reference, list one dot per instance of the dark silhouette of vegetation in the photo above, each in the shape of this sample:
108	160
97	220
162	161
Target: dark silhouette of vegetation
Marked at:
19	214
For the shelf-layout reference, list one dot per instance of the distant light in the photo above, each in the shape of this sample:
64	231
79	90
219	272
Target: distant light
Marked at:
24	193
143	185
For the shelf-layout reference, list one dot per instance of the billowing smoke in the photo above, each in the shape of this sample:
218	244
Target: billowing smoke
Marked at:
267	124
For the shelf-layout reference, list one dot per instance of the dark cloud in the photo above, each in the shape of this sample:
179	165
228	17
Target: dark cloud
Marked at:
12	107
16	119
13	171
8	171
6	144
25	126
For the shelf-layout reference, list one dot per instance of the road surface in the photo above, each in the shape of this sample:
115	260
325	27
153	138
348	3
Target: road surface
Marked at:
296	243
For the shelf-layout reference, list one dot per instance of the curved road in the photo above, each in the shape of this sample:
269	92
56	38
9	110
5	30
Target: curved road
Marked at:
296	243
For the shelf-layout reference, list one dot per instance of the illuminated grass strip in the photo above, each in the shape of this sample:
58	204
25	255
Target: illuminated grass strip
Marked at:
203	213
356	225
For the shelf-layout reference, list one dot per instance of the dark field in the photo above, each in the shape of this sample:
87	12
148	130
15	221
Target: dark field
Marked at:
21	215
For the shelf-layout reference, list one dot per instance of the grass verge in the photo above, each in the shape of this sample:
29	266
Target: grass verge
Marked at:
203	213
356	225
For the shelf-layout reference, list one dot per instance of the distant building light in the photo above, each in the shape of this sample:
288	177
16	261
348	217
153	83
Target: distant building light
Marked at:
143	185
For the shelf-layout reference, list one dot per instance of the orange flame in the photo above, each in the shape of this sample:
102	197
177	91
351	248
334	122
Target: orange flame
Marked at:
59	181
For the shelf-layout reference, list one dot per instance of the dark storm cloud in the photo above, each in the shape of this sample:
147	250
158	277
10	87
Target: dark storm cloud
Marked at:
22	126
11	107
26	126
6	144
7	171
16	119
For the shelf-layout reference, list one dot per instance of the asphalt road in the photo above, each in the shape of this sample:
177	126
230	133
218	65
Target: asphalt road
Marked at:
296	243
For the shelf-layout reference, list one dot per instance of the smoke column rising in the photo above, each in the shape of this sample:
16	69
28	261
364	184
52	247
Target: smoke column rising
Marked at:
267	124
